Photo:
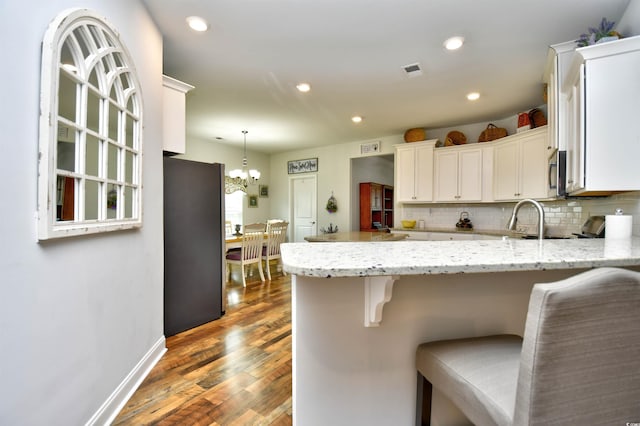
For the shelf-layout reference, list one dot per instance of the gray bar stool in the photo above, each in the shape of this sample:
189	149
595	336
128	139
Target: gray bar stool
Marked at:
577	364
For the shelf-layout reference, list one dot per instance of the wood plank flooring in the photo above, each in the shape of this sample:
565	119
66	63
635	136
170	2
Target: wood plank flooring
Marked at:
232	371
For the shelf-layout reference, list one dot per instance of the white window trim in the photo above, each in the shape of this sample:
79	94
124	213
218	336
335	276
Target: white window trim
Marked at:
47	225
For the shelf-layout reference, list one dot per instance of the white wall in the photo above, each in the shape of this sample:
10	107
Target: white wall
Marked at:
76	315
629	24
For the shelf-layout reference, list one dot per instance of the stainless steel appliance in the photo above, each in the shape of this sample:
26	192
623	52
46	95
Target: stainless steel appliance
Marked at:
557	175
594	227
194	244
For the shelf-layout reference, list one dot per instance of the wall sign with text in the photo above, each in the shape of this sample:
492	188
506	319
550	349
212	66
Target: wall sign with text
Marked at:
302	166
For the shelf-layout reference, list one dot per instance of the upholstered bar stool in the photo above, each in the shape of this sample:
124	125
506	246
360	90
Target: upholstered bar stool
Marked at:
577	364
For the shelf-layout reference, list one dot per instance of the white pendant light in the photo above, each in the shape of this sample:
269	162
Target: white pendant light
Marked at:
241	178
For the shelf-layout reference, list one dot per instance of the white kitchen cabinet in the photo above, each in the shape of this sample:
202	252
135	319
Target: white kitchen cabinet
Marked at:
458	174
520	166
558	64
414	172
575	131
174	115
603	100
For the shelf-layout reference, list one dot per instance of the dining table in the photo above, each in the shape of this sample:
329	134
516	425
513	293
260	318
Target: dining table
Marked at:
235	241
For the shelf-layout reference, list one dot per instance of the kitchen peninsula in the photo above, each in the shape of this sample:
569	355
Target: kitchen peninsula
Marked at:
361	309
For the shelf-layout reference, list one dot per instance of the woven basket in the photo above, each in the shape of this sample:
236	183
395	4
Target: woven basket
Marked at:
537	118
491	133
415	135
456	138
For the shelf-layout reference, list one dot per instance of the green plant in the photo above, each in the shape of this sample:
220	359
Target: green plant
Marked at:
329	230
605	29
332	204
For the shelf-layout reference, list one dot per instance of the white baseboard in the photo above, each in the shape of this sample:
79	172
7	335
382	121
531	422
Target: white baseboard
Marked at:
112	406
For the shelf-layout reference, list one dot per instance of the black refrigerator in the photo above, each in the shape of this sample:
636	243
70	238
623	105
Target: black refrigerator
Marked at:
194	245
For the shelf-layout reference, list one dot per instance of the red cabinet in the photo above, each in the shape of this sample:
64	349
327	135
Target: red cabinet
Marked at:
376	206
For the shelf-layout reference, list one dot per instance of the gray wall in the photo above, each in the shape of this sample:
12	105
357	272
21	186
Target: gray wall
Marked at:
77	315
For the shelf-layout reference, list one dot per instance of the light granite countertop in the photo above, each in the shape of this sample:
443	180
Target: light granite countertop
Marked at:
355	259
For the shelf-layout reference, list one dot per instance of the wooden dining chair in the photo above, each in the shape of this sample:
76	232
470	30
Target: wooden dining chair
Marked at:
250	251
276	235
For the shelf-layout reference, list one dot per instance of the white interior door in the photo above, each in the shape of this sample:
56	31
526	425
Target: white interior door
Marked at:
304	206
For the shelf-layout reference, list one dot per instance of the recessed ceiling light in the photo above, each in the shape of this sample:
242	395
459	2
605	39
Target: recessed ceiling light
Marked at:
473	96
196	23
303	87
454	43
356	119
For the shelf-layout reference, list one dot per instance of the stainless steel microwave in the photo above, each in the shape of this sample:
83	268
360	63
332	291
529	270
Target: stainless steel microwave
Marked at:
557	186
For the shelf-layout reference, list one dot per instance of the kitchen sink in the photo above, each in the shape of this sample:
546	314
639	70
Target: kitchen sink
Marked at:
548	237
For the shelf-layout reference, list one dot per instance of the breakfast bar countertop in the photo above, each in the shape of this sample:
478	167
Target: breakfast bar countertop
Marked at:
360	259
384	298
356	236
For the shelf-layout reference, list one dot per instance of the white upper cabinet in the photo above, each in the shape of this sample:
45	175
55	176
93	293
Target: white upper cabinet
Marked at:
458	174
557	69
603	100
534	157
574	131
520	166
414	172
174	115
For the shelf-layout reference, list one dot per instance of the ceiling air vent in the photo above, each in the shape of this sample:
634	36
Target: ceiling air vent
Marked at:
412	70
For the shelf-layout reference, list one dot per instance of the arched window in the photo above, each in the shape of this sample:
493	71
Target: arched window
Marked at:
90	159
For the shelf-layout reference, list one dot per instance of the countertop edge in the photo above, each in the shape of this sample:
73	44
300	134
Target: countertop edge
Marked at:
443	270
333	260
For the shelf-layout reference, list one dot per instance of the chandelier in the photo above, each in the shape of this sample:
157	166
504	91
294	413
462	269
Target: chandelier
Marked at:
239	179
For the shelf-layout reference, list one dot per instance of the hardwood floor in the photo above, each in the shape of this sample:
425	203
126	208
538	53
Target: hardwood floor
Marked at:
232	371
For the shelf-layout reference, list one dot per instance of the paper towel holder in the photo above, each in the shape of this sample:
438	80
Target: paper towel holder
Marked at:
620	226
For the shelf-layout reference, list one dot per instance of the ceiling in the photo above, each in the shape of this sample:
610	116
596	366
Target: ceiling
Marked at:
245	68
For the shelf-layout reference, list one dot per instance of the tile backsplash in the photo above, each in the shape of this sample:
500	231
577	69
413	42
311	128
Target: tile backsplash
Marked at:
561	216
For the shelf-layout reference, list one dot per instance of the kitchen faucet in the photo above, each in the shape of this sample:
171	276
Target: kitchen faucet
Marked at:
514	216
